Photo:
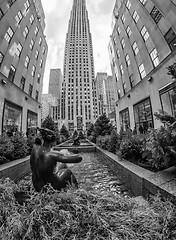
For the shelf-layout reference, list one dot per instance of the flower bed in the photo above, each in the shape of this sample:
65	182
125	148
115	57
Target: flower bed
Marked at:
82	215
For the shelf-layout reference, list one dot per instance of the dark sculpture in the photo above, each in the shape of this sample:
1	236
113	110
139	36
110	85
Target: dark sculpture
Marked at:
43	161
76	141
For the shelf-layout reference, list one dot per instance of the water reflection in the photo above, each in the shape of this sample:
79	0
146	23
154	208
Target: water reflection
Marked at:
95	173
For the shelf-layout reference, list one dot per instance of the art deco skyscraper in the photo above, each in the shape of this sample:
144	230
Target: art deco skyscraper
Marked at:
78	101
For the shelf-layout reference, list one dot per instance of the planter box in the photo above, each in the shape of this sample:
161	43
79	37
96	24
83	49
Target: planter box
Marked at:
16	169
142	182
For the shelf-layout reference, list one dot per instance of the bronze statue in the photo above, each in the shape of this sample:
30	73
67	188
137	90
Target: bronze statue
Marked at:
43	161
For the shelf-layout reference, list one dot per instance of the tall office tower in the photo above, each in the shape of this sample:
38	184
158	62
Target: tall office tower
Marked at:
101	92
23	51
78	102
142	46
55	83
110	101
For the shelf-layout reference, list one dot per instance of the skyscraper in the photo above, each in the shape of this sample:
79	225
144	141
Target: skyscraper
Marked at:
78	101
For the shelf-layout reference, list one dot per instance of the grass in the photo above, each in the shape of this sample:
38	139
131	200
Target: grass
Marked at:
81	215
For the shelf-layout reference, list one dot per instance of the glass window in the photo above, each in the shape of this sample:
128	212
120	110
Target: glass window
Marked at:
168	99
143	2
38	78
1	58
30	90
132	82
128	5
36	95
32	19
123	43
118	30
124	119
40	41
156	14
12	118
144	33
19	49
26	63
12	73
127	58
135	16
36	54
25	32
36	31
128	31
170	37
32	121
31	44
121	69
118	53
154	57
142	70
9	34
143	115
22	83
123	18
33	71
135	48
18	17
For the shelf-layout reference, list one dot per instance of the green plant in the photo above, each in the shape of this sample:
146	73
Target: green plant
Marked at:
6	147
131	148
64	132
75	134
90	130
30	142
103	141
114	142
102	126
81	135
20	146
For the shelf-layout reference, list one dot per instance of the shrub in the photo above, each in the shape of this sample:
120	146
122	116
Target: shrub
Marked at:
6	147
131	148
114	142
20	146
30	142
81	135
103	141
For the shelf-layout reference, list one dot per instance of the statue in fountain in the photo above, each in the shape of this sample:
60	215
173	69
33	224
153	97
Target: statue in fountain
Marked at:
43	161
76	141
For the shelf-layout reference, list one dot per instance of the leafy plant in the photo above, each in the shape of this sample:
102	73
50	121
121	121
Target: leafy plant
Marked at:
48	123
131	148
64	132
103	141
6	147
20	146
102	126
90	130
114	142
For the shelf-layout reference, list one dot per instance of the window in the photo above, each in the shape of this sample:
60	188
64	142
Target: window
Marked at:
38	78
128	5
33	71
1	13
12	73
41	63
118	30
143	2
124	119
26	5
127	58
135	48
128	31
9	34
32	19
144	33
156	14
31	44
36	54
135	16
40	41
25	32
124	87
18	17
26	63
170	37
123	18
19	49
131	78
1	58
143	115
123	43
44	49
36	31
121	69
36	95
142	70
30	90
22	83
114	39
10	2
154	57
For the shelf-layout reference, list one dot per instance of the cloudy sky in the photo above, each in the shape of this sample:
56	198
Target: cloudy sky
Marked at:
57	14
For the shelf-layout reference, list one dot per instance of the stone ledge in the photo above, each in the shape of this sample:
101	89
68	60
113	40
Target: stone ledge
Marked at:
144	182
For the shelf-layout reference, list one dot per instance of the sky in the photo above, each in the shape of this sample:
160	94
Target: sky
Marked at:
57	15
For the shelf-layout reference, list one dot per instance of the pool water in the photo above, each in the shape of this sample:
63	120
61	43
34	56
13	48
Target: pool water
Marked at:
96	173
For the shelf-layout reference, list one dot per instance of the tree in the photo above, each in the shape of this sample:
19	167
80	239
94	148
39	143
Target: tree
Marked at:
114	142
172	71
48	123
103	126
90	130
64	132
75	134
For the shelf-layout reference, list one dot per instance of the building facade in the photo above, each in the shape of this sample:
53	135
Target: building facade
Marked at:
78	100
142	46
23	51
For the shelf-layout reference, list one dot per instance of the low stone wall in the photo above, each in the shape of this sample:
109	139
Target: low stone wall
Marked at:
15	170
142	182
